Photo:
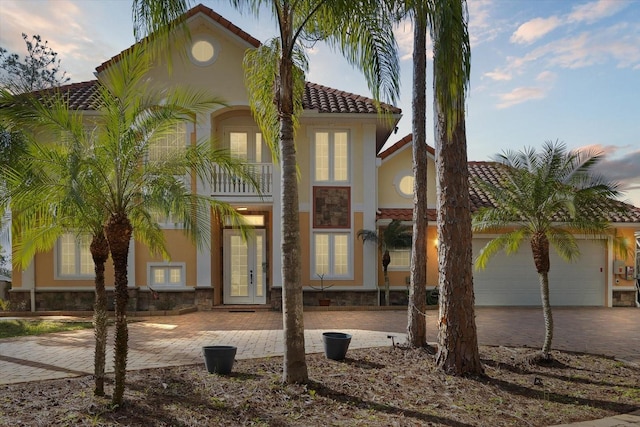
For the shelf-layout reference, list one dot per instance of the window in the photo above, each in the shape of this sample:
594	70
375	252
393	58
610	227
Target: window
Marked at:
169	144
331	156
74	258
246	145
203	50
332	255
404	184
163	274
400	259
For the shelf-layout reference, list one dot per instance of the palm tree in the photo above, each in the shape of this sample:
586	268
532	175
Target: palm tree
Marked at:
361	31
275	72
40	177
457	338
544	197
394	236
115	174
419	12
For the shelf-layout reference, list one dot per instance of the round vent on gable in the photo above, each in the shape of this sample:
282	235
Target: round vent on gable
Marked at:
204	50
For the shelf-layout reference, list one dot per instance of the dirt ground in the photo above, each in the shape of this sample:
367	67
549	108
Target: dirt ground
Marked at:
371	387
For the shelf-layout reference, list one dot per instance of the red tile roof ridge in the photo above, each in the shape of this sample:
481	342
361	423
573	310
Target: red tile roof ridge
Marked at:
401	143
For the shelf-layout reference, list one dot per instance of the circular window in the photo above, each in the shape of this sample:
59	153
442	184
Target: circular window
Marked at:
404	184
203	51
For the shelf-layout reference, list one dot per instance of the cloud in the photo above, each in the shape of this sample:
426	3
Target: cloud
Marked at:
546	77
520	95
535	29
498	75
483	26
594	11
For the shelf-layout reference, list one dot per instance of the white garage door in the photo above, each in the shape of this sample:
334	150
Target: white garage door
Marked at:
513	280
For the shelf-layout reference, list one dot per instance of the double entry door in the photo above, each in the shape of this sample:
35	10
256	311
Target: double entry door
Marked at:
244	275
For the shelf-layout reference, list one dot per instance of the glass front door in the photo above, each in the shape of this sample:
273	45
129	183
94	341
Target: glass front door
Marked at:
244	268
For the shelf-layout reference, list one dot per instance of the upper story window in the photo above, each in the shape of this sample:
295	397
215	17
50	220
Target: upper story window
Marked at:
203	50
74	258
404	183
169	144
331	151
247	144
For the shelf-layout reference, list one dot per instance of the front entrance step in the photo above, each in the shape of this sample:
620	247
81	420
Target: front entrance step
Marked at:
241	308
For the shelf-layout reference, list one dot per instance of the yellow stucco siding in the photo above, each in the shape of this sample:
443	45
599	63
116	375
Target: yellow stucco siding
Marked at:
224	78
389	174
180	248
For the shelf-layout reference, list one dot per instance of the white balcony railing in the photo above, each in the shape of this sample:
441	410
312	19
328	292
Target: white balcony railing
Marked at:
226	184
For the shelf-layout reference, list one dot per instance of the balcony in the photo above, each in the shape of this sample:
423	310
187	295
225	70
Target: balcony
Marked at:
229	187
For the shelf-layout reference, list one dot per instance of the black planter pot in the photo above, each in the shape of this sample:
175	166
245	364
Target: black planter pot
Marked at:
218	359
336	345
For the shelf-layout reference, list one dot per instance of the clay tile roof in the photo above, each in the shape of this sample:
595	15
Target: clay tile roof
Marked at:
401	143
403	214
331	100
327	100
490	172
80	96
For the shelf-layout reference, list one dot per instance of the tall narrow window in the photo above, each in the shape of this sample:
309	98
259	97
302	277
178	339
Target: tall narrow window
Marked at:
331	156
332	255
169	144
246	145
74	257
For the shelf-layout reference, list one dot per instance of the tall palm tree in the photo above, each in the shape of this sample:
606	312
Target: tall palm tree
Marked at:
116	175
457	337
394	236
543	198
275	72
419	12
362	32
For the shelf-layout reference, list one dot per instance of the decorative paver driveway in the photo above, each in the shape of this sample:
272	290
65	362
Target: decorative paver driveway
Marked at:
177	340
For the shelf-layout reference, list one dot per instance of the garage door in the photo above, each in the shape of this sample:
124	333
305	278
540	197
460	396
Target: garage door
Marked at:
513	280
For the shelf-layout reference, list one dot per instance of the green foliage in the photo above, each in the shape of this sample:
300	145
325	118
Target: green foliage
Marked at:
20	328
553	192
39	69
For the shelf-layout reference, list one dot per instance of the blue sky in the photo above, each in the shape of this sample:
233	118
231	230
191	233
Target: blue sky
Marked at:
565	70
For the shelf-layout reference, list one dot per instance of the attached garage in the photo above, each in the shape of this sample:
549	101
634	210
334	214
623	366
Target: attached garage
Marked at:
512	280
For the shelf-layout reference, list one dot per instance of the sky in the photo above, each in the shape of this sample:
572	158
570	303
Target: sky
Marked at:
541	70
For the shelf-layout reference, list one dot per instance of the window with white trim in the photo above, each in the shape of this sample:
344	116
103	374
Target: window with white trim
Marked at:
400	259
74	258
166	275
404	183
331	255
168	144
246	144
331	155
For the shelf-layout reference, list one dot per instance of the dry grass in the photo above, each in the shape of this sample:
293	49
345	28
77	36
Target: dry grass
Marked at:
372	387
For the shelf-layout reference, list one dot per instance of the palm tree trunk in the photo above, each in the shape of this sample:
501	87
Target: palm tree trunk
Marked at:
100	252
118	232
458	352
386	287
548	316
416	323
540	250
294	363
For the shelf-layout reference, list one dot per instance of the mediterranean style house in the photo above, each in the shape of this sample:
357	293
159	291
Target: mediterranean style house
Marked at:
346	184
